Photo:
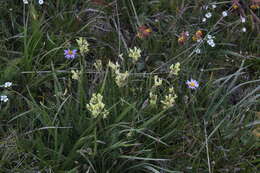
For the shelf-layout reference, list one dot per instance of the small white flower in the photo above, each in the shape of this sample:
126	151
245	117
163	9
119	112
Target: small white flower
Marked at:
41	2
198	51
209	37
214	6
208	15
4	98
211	42
244	29
224	14
25	1
243	19
204	19
8	84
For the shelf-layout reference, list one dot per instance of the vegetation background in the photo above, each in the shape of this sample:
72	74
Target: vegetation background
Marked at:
45	125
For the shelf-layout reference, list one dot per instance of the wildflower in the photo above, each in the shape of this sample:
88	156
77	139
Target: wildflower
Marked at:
144	31
204	19
174	69
208	15
235	4
98	65
193	84
210	36
198	36
75	74
169	99
210	40
121	78
214	6
70	54
96	106
198	51
183	37
83	45
3	98
40	2
153	98
114	67
243	19
8	84
157	81
224	14
25	2
244	29
135	54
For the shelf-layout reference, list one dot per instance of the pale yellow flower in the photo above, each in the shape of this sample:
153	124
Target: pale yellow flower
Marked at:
96	106
121	78
135	54
157	81
169	99
83	45
75	74
174	69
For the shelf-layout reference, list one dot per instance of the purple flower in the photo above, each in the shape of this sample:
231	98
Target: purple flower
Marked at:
193	84
70	54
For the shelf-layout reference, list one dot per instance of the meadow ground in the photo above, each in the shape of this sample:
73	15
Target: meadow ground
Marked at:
129	86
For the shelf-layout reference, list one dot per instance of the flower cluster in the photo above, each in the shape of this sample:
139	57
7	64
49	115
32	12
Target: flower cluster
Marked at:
96	106
152	95
174	69
121	78
135	54
169	99
157	81
210	40
98	65
83	45
75	74
4	98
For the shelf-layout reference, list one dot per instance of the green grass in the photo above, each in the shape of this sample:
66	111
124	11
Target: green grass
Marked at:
45	125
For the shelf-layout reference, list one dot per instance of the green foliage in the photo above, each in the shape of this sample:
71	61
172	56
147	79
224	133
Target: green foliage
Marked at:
45	125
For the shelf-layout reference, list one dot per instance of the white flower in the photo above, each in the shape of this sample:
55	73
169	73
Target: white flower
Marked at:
211	42
204	19
8	84
243	19
198	51
210	37
41	2
4	98
244	29
214	6
25	1
208	15
224	14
